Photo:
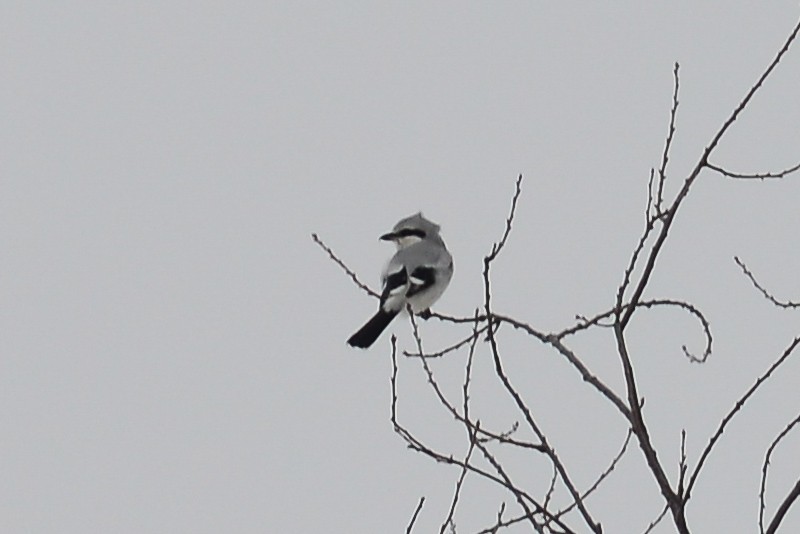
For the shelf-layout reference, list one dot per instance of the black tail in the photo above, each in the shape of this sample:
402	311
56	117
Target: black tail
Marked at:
368	333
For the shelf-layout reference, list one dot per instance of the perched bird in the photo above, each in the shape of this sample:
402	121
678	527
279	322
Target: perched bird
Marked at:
417	275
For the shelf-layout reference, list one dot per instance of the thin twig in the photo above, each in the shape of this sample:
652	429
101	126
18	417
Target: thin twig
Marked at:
487	261
572	358
586	323
682	464
344	267
414	517
500	523
765	467
459	483
450	319
753	176
526	501
551	488
658	210
656	521
662	170
497	247
649	208
697	314
450	407
472	431
627	275
767	294
452	348
468	378
736	408
702	163
530	515
604	474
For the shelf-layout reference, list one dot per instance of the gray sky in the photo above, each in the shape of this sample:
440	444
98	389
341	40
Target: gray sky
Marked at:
172	357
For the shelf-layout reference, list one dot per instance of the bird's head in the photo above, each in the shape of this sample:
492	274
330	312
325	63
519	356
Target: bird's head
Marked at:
412	230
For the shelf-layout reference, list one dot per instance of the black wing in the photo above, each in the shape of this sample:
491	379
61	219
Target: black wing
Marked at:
422	278
395	282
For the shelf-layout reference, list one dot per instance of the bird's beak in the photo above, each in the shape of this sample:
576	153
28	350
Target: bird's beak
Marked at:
391	236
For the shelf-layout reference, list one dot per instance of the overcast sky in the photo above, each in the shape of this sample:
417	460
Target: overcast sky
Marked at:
172	355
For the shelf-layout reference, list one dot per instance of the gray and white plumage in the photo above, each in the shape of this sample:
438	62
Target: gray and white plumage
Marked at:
416	275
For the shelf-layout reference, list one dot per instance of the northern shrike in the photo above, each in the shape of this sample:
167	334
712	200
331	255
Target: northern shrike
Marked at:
416	275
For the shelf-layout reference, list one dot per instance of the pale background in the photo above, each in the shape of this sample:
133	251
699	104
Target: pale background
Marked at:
172	353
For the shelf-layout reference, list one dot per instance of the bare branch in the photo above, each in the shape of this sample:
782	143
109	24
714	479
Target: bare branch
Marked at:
762	493
457	493
586	323
662	170
611	466
472	430
410	526
497	247
702	163
767	294
753	90
518	494
468	377
573	359
654	211
697	314
630	296
605	473
457	320
626	277
737	407
344	267
500	523
643	436
452	348
682	464
471	427
525	500
487	261
753	176
656	521
783	508
649	208
551	488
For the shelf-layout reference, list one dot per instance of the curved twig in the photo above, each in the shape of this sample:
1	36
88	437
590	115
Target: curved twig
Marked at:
762	493
587	323
754	176
767	294
697	314
738	406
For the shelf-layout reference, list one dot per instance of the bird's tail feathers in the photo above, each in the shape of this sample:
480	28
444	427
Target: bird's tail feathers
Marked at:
368	333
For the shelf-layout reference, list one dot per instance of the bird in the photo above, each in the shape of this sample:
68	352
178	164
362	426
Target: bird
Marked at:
416	276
